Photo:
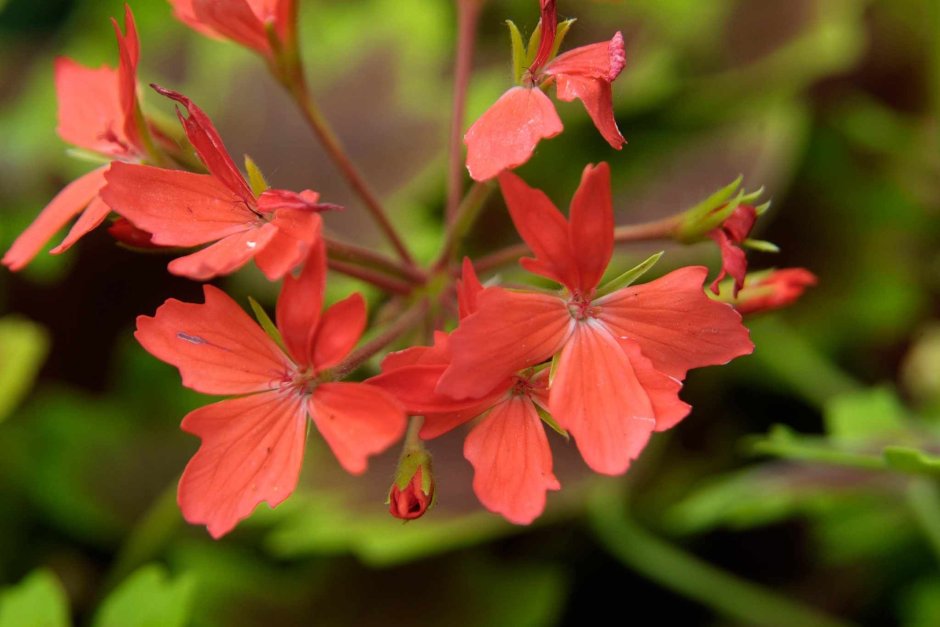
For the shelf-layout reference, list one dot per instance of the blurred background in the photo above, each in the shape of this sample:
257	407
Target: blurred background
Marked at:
801	490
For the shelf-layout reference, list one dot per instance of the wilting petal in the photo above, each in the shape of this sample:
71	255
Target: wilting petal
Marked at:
90	113
505	136
356	420
225	256
509	332
89	219
67	204
299	304
217	348
511	460
542	226
598	102
592	226
252	449
603	61
340	328
676	325
179	208
233	19
597	396
468	289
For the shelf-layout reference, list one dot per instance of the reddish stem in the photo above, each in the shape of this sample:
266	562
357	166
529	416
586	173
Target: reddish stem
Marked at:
403	323
357	255
373	277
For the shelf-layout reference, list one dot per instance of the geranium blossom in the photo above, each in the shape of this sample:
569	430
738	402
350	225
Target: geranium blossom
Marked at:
242	21
277	228
97	113
252	445
620	356
505	136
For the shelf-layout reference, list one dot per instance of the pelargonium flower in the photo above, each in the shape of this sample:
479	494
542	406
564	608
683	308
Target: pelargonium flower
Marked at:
732	232
96	113
775	289
276	228
242	21
253	444
620	356
505	136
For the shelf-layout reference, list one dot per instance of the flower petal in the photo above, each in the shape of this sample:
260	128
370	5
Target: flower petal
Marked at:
225	256
252	450
468	289
233	19
356	420
512	461
217	348
733	262
597	99
598	397
340	328
129	51
179	208
603	61
506	134
69	202
509	332
662	390
676	325
592	226
88	220
299	305
90	113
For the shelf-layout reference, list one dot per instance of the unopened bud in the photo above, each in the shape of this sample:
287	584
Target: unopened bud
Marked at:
766	291
412	492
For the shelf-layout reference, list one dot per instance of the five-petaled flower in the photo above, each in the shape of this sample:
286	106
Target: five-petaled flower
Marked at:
97	112
505	136
253	445
620	356
243	21
277	228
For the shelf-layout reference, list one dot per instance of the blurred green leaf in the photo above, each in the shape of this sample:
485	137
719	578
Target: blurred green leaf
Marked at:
148	598
37	601
23	347
920	605
864	415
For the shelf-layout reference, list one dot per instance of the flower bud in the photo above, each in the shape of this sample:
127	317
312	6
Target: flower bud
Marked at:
773	290
412	492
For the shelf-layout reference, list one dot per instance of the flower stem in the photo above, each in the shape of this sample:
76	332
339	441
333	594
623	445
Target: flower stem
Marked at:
403	323
685	574
468	15
373	277
350	253
467	214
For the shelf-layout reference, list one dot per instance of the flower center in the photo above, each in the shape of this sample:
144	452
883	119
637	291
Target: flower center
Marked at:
581	307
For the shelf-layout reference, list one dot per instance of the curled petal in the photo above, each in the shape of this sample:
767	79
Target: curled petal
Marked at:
597	99
225	256
733	262
511	460
505	136
356	420
252	449
603	61
217	348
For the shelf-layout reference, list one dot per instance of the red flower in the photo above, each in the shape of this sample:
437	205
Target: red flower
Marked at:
242	21
277	228
96	112
621	356
732	231
775	290
505	136
252	445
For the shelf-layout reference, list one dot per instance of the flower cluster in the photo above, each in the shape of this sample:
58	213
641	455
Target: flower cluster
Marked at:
600	362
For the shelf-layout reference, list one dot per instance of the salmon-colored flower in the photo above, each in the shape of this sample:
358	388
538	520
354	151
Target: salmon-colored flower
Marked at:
97	113
242	21
773	290
276	228
505	136
732	232
253	445
620	356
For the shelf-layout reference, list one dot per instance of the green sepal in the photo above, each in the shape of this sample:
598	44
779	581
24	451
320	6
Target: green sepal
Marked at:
408	465
547	419
628	277
553	368
534	40
267	324
86	155
518	51
255	177
560	33
707	215
761	245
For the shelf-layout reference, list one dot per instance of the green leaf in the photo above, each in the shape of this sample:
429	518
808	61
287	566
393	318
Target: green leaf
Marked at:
631	275
23	347
255	177
267	324
866	415
37	601
148	598
518	51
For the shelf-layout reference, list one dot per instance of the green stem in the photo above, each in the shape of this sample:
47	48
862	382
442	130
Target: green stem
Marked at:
818	455
685	574
923	498
405	322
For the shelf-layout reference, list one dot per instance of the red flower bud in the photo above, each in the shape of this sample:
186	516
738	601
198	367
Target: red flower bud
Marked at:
778	289
414	499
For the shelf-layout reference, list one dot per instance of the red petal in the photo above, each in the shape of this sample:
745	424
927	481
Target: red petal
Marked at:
543	228
592	226
676	325
296	233
510	331
340	328
739	224
67	204
603	61
356	420
183	11
439	354
598	397
299	305
512	461
548	25
179	208
415	387
598	102
663	390
89	219
225	256
252	449
468	289
129	51
217	348
207	142
733	262
234	19
505	136
90	112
